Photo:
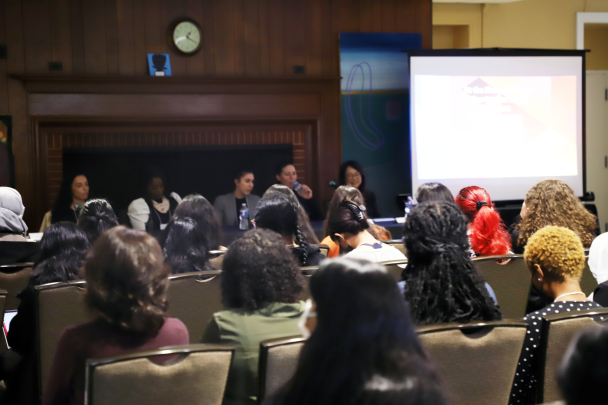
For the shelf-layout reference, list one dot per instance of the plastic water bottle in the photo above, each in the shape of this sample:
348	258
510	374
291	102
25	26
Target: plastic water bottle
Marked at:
297	186
244	218
409	206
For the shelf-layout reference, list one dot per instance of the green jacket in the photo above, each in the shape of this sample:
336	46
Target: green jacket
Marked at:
246	331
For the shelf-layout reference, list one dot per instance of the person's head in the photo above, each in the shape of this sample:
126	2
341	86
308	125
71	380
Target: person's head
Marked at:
184	246
442	285
96	217
286	174
583	375
345	222
243	180
433	192
127	280
63	248
553	202
308	234
198	208
554	256
258	270
364	346
11	212
73	187
344	193
154	184
488	234
351	174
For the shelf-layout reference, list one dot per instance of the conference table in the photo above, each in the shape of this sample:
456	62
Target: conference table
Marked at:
230	233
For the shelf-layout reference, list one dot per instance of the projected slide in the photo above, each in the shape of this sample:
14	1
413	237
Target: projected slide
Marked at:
498	131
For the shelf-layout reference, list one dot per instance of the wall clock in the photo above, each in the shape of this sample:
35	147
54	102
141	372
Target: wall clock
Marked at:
186	36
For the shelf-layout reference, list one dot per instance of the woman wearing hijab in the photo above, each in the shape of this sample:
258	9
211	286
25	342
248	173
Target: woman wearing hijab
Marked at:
15	246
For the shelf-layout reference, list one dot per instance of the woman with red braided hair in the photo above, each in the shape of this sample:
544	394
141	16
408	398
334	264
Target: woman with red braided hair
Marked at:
487	232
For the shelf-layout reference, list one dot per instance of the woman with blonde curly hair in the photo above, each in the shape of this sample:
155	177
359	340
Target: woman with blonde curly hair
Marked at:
127	285
555	259
553	202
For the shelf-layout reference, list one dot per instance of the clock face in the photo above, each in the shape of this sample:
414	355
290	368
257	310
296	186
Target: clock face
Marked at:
187	37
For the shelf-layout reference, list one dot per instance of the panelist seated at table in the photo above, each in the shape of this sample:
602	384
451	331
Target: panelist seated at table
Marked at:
153	212
228	206
287	175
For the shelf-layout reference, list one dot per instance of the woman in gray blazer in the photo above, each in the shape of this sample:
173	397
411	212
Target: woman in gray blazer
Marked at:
228	206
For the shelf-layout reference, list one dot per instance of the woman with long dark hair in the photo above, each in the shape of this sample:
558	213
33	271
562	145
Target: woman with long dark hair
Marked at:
261	285
308	234
96	217
433	192
73	193
280	215
184	246
127	285
348	227
207	222
63	250
351	174
487	233
441	282
363	348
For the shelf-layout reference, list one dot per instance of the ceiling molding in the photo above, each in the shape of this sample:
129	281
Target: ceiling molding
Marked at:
476	1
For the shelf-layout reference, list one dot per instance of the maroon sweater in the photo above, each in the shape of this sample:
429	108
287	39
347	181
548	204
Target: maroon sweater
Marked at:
94	340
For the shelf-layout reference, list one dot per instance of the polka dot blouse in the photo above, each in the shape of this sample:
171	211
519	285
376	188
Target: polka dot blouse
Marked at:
523	391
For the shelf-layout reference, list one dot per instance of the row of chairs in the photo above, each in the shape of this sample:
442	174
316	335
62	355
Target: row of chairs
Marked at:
477	363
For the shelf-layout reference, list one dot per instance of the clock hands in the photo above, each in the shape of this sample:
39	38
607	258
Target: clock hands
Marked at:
180	39
188	37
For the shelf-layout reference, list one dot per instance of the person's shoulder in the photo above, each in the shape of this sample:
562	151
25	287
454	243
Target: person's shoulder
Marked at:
139	205
175	327
222	199
254	198
600	242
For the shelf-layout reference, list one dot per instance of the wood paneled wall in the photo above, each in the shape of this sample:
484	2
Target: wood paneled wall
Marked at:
242	38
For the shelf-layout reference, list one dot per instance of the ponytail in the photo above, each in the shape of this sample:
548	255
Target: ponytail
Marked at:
300	241
488	234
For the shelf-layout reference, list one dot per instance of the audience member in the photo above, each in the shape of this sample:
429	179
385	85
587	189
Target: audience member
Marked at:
348	227
308	234
63	250
441	283
73	193
348	193
487	233
228	207
287	175
15	246
555	258
351	174
363	348
280	215
127	288
261	283
598	264
153	212
184	246
552	202
433	192
198	208
582	376
96	217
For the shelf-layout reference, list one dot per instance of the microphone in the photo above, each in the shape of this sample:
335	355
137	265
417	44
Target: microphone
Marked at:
332	184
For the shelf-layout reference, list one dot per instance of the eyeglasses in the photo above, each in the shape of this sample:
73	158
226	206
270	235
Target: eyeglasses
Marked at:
353	176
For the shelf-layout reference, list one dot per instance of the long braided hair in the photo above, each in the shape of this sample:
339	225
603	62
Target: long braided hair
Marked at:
279	214
442	285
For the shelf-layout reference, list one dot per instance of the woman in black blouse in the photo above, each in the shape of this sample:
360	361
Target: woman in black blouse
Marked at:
555	258
351	174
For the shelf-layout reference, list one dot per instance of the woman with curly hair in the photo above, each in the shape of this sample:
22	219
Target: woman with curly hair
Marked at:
487	232
441	283
279	214
127	289
184	246
552	202
363	347
261	283
555	259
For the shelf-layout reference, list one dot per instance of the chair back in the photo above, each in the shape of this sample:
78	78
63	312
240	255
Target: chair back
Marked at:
197	375
3	294
395	267
58	305
396	243
194	298
277	364
588	282
217	258
307	273
558	331
324	249
509	280
476	361
13	279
